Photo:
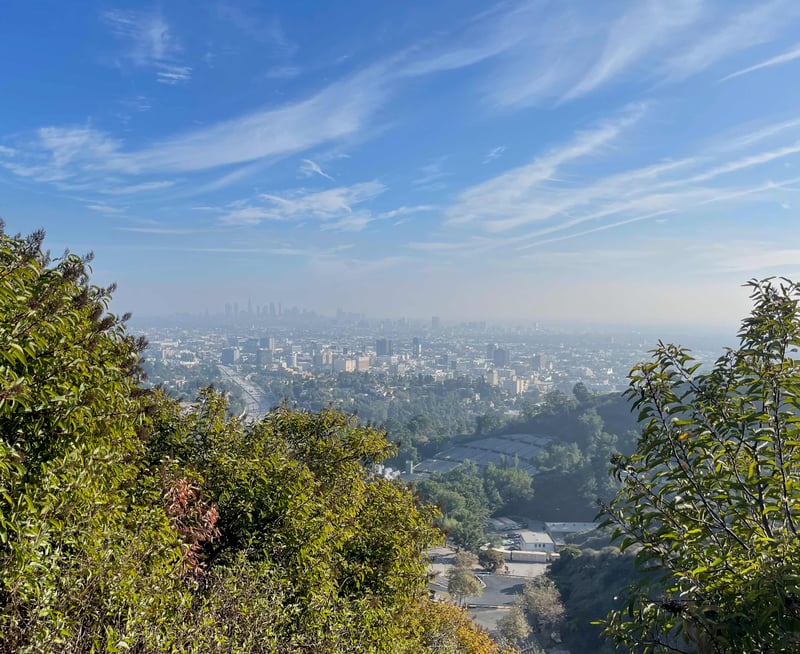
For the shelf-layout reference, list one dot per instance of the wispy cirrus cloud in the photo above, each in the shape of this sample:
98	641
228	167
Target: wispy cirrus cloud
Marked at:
340	206
528	207
149	43
545	53
105	208
432	175
57	154
309	168
647	26
86	154
778	60
726	32
341	209
255	25
163	231
534	52
337	111
494	153
502	202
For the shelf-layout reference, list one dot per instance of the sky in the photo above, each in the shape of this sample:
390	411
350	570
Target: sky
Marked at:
615	162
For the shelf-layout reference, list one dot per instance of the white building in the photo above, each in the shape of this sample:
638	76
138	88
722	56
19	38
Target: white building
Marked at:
536	541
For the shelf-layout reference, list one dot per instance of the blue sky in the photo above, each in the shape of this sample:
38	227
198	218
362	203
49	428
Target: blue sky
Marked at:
613	162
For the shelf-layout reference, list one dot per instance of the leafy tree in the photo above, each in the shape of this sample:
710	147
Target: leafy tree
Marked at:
508	484
542	602
513	627
449	630
590	427
491	559
561	457
461	579
582	394
88	557
710	498
462	583
489	423
466	560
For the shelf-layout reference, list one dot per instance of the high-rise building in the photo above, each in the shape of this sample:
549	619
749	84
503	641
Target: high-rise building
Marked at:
542	362
263	357
501	357
384	347
230	355
436	322
490	351
416	348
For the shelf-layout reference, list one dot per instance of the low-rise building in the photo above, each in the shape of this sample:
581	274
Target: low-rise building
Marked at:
533	541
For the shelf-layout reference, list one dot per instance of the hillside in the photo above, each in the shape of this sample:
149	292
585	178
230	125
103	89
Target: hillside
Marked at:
128	524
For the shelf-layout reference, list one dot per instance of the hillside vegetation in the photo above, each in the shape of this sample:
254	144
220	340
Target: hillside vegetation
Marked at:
129	525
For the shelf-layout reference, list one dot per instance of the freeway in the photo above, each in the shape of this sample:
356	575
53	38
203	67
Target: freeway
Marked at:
256	401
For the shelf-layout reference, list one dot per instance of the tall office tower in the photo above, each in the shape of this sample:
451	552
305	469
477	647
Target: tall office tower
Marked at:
501	357
230	355
383	347
490	351
272	308
263	357
436	322
542	362
416	348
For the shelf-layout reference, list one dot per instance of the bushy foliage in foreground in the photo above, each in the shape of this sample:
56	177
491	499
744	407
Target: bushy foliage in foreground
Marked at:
711	497
128	525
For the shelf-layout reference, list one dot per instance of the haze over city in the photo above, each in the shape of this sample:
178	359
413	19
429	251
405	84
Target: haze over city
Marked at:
629	162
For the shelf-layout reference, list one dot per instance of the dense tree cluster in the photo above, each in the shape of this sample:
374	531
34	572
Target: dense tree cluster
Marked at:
591	580
127	524
420	413
467	495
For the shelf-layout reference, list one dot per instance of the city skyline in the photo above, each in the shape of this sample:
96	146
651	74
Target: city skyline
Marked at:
626	163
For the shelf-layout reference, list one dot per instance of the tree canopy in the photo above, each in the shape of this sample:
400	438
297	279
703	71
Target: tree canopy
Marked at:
129	524
710	500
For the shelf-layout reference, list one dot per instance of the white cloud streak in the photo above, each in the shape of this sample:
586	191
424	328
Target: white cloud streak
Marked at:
494	153
149	44
649	25
309	168
784	58
337	205
503	202
523	208
728	32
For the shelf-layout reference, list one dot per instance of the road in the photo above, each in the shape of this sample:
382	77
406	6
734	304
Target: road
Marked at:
256	401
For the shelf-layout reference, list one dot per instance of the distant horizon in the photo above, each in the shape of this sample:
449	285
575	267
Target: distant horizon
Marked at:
421	327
